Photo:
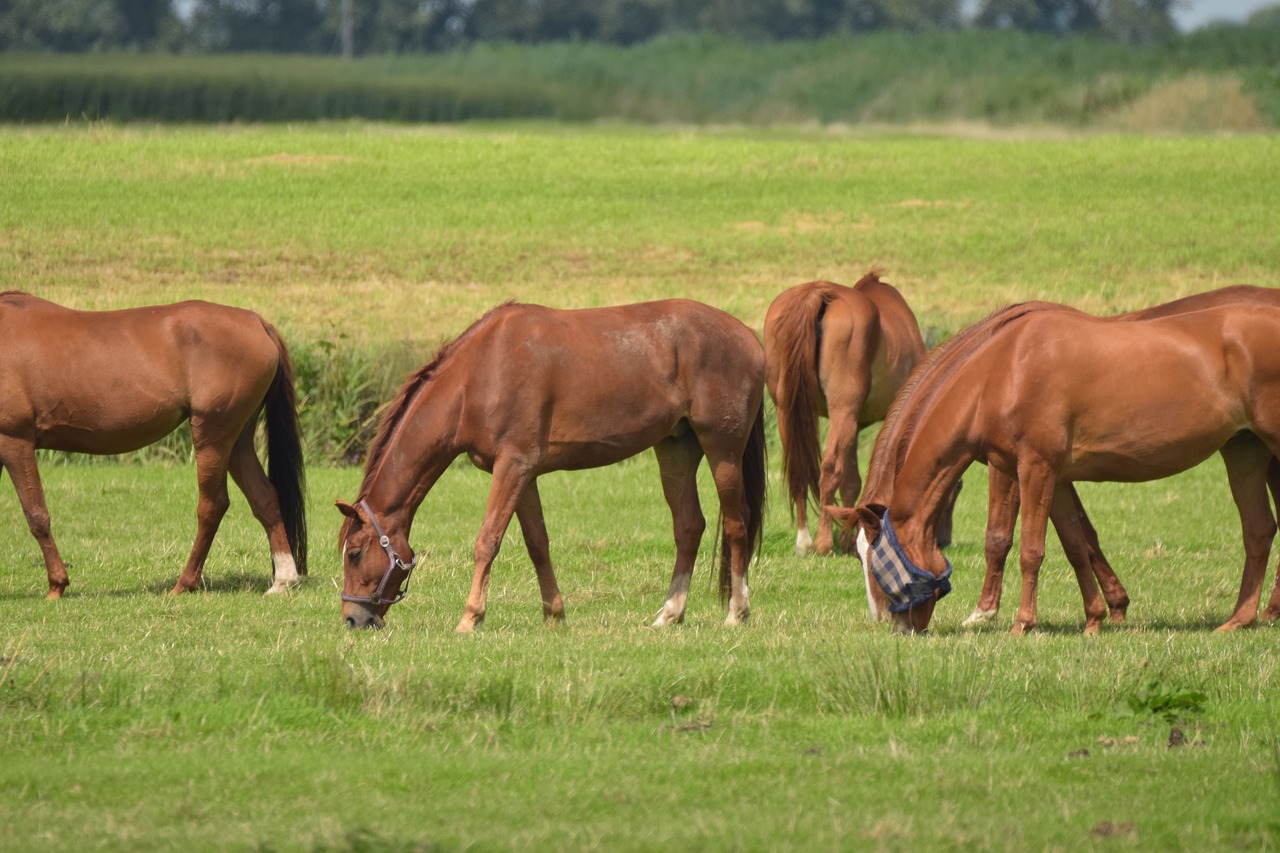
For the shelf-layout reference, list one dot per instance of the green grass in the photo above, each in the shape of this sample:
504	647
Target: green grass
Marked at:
228	720
223	719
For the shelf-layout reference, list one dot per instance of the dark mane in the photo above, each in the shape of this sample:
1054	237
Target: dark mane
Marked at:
926	379
395	413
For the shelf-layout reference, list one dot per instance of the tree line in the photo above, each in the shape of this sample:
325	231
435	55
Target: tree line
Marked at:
410	26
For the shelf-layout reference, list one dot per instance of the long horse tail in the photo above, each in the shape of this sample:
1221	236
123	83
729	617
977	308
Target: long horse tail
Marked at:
794	335
284	452
754	480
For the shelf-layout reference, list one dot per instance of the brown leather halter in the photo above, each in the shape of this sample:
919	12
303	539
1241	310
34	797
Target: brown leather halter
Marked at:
395	578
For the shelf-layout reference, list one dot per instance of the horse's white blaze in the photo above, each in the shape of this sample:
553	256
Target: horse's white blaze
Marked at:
286	573
804	542
864	554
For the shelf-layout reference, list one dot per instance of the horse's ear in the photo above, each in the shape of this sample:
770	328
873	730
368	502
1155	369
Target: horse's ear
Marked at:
866	516
348	510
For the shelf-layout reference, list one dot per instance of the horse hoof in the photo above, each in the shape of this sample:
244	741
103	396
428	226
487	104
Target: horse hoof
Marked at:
282	586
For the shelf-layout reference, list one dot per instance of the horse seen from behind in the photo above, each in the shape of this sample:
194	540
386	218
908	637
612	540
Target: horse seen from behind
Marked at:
840	352
529	389
107	382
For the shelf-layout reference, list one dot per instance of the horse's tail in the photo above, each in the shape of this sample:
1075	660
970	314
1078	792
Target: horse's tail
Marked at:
754	478
794	335
284	452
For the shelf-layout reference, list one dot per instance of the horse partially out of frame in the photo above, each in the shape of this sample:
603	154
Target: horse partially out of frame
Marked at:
107	382
1064	397
529	389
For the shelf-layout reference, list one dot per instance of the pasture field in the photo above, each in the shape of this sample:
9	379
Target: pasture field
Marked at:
227	720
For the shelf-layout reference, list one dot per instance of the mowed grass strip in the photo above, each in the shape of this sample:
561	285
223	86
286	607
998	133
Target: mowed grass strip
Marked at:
225	719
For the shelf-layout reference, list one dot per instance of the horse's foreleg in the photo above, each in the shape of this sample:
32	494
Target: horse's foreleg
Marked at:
508	485
19	459
246	471
1247	460
1002	515
211	506
1035	483
1112	590
1075	543
678	460
533	528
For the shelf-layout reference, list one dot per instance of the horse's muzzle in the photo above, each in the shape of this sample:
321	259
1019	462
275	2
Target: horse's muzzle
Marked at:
361	617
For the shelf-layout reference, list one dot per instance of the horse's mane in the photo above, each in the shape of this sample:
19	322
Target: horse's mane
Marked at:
395	412
927	378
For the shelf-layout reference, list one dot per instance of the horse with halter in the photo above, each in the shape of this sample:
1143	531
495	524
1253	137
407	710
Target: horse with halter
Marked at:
107	382
843	353
529	389
1047	395
1003	499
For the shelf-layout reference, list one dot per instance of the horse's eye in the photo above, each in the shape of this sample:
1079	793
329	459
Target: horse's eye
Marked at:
354	555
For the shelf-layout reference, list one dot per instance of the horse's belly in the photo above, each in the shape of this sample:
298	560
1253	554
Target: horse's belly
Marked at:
106	438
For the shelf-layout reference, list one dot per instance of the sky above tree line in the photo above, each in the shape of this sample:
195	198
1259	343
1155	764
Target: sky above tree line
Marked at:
1197	13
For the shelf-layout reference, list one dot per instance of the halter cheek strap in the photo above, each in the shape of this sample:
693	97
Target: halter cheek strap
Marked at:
395	580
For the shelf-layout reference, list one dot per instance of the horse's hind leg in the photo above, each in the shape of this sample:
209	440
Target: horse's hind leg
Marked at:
678	460
839	472
533	528
1067	521
1247	460
19	459
726	470
1113	590
246	470
211	477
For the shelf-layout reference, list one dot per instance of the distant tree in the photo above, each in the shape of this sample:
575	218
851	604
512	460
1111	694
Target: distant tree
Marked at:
283	26
1040	16
1267	16
61	25
1139	21
145	21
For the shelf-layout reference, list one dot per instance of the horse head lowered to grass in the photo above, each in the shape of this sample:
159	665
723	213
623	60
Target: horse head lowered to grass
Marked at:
529	389
107	382
1047	395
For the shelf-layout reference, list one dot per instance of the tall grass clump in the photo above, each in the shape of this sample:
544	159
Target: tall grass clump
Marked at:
1003	77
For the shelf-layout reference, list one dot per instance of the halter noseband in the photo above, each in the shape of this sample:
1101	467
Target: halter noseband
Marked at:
394	579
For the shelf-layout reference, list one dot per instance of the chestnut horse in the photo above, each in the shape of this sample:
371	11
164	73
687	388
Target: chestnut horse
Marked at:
1049	395
528	389
840	352
1003	502
108	382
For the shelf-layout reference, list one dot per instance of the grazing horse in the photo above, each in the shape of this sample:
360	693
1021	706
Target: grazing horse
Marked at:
1003	494
842	352
529	389
108	382
1049	395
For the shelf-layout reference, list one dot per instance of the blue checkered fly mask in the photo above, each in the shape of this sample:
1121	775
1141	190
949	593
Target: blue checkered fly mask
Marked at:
904	583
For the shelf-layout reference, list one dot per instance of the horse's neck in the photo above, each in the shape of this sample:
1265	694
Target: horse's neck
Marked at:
421	448
932	461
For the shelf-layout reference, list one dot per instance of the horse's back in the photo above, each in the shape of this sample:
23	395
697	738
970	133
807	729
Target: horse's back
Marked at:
592	386
96	381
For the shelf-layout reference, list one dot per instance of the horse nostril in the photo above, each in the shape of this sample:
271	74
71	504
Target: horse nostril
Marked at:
351	622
